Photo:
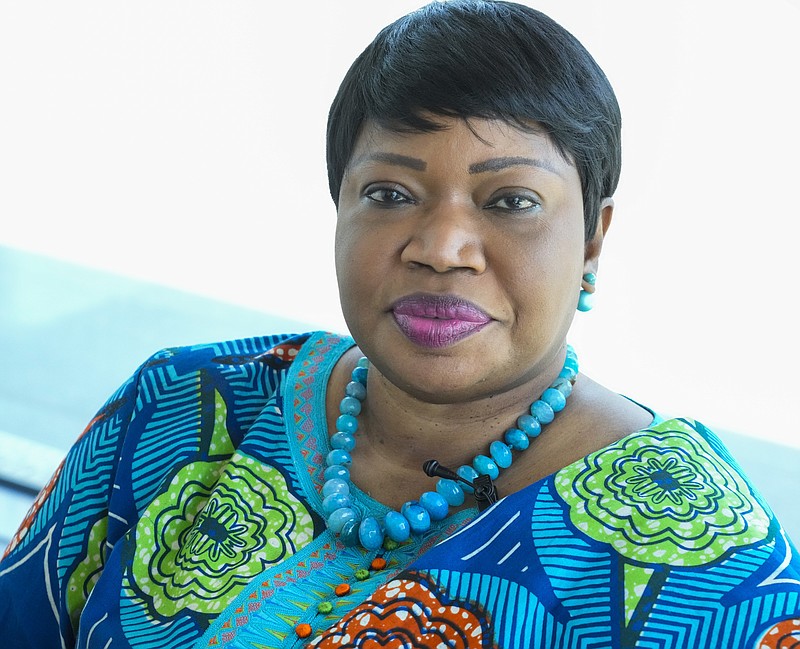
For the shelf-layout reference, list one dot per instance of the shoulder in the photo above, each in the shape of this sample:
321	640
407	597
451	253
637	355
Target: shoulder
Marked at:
235	376
594	418
176	385
274	350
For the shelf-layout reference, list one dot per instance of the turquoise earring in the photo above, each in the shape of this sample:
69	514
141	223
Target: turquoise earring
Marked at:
586	298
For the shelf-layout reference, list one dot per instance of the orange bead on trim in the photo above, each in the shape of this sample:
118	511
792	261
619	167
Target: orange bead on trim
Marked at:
378	563
342	590
303	630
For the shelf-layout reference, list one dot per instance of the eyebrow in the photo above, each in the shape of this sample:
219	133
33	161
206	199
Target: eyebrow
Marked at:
493	164
392	158
496	164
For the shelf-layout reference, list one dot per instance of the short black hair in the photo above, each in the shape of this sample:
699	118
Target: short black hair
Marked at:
483	59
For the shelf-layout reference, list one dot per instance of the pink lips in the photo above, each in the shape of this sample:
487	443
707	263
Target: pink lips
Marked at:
438	320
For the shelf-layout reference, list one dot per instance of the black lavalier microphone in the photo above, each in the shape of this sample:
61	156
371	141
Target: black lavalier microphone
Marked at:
485	491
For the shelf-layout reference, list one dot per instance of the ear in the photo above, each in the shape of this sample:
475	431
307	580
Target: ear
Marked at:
594	246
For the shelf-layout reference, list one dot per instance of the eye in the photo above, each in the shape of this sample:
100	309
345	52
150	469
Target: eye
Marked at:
515	203
387	196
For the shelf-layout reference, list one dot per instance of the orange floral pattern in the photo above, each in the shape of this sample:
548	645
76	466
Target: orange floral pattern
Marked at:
406	613
783	635
41	499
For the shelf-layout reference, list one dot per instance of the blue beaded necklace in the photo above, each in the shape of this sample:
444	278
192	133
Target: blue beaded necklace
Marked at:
416	516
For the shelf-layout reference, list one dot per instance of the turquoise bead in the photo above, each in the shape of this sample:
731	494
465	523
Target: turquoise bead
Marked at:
343	441
337	471
339	517
356	389
542	411
516	439
571	362
359	374
590	279
486	466
451	491
501	454
469	474
585	301
349	533
568	373
350	406
363	362
435	504
335	501
346	424
563	386
370	533
335	486
338	456
529	425
554	399
419	520
396	526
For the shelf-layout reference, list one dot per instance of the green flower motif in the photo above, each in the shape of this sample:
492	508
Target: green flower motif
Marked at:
217	532
662	496
216	526
87	572
665	480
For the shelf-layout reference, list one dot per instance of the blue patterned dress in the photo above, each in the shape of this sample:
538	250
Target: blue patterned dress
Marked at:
188	514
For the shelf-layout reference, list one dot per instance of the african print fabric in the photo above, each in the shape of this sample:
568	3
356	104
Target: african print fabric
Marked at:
654	541
194	497
189	514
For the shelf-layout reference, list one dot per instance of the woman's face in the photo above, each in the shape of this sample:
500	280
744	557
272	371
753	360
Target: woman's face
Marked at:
459	256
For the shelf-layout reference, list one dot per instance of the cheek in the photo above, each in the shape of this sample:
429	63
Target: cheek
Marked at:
543	276
357	256
345	257
341	246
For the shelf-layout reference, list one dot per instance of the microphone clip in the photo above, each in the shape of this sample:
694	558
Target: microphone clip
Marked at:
485	492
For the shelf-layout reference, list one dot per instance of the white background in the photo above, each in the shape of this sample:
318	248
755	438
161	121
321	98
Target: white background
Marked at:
183	142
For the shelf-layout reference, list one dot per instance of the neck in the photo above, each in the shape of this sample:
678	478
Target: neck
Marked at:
407	431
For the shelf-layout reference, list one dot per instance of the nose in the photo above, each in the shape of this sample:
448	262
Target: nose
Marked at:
446	238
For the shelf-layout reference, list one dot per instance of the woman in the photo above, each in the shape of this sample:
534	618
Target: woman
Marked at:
270	492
